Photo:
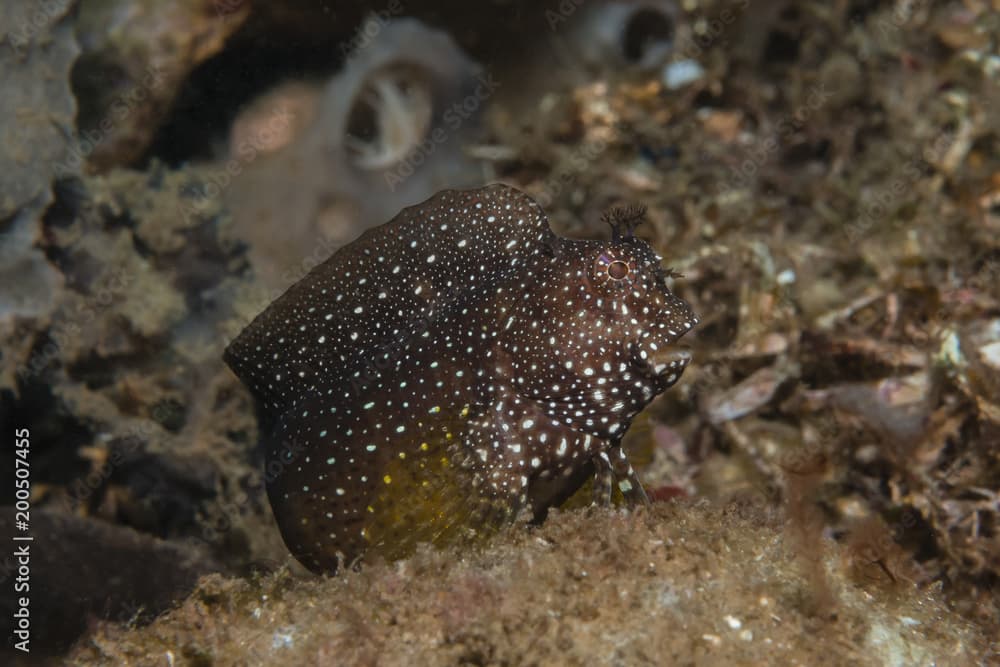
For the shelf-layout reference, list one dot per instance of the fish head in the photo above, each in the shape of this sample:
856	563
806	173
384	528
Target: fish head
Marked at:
627	288
594	333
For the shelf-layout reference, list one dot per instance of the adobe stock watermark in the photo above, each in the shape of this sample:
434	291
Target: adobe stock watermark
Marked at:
389	352
882	204
900	15
43	15
369	29
563	11
69	325
214	527
323	247
577	163
227	8
134	439
14	566
451	120
692	44
120	108
245	152
763	151
765	497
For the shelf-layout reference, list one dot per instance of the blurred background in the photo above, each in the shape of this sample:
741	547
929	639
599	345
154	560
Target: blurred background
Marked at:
825	175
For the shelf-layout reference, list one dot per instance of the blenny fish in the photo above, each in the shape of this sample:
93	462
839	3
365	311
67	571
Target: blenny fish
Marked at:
452	368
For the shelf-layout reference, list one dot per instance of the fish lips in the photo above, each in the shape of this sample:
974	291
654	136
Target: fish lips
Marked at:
662	366
666	365
660	358
670	363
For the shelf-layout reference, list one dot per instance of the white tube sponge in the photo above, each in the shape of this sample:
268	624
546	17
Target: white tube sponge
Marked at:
387	133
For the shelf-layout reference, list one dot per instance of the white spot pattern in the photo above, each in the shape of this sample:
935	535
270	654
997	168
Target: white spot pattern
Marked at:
518	354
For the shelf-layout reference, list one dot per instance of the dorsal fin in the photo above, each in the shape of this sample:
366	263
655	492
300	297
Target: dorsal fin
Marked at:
379	287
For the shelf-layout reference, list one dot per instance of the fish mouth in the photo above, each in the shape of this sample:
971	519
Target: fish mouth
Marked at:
670	363
661	365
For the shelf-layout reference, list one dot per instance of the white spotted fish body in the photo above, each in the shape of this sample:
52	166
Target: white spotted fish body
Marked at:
452	367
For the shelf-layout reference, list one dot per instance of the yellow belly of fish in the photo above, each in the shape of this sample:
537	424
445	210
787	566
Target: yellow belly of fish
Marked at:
425	495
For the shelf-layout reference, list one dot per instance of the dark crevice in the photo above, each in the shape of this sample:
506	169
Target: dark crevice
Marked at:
216	91
781	47
55	435
645	29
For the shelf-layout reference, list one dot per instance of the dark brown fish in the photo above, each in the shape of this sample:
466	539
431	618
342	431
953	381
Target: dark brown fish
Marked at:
452	367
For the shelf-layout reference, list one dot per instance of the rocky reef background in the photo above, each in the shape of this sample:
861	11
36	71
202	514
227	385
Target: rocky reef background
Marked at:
826	175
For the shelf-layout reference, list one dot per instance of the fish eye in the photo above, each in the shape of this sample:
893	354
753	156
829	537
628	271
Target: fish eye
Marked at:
613	266
618	269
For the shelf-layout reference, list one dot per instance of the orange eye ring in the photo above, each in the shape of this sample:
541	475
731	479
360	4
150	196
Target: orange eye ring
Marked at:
612	268
618	270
